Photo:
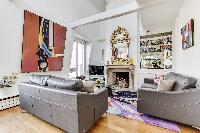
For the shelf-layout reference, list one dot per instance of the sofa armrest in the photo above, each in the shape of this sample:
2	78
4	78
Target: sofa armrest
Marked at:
100	91
93	99
149	80
97	100
181	106
169	98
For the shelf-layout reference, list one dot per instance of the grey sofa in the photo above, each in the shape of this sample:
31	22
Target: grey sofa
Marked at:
180	105
72	111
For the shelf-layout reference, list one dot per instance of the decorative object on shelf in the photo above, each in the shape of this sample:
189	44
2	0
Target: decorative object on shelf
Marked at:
120	41
107	63
120	61
188	35
131	61
43	44
98	83
156	51
8	81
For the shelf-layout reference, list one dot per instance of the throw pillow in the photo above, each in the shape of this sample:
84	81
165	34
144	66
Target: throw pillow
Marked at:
88	86
166	85
182	82
158	78
39	79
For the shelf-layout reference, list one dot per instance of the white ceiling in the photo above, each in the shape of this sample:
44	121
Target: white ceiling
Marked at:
92	32
99	4
161	14
60	11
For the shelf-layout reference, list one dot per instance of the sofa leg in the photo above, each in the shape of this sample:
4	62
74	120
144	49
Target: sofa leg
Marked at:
106	114
23	111
198	128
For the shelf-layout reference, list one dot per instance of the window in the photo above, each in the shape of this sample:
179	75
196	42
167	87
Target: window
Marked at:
81	58
77	66
73	62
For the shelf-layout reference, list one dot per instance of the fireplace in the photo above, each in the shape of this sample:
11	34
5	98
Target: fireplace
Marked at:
121	79
121	75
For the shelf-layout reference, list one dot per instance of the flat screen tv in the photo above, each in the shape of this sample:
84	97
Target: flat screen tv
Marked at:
96	70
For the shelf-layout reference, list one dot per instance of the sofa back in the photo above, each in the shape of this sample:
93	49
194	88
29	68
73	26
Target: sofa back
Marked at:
182	82
57	95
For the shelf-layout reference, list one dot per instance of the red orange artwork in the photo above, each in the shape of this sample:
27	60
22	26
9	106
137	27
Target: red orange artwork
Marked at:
43	44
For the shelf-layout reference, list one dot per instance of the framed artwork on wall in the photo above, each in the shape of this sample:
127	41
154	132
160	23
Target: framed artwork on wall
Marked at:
188	35
43	44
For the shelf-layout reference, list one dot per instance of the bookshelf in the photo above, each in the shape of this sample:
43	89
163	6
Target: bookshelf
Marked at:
156	51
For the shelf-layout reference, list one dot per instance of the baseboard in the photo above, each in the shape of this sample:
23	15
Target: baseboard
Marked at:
9	102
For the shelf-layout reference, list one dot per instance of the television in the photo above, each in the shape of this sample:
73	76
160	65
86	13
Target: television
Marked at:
96	70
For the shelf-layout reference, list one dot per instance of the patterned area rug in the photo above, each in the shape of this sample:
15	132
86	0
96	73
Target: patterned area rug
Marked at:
125	96
130	111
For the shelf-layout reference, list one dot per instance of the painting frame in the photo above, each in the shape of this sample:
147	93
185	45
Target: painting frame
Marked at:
43	44
187	33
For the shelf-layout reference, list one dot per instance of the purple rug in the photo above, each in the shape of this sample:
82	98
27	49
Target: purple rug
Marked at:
130	111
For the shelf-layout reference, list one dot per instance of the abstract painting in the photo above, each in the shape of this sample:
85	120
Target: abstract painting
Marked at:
43	44
188	35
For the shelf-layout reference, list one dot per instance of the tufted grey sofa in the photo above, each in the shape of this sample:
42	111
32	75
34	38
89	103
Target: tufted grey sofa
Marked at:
180	105
72	111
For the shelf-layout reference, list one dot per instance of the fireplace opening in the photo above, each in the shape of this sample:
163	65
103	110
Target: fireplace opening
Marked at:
122	79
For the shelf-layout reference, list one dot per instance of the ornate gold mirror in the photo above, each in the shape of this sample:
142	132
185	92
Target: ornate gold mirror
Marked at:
120	41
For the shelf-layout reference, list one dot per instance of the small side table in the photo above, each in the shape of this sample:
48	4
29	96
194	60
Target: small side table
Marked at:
9	97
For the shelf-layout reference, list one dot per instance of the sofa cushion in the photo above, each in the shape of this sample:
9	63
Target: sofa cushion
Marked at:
62	83
147	85
166	85
39	79
182	82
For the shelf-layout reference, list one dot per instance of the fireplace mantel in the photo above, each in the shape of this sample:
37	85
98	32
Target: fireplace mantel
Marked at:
111	69
131	67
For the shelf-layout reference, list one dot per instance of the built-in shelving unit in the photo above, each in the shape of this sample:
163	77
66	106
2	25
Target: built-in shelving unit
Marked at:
156	51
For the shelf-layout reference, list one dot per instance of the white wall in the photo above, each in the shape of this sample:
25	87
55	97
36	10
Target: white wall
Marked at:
96	53
129	22
111	4
187	61
11	29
